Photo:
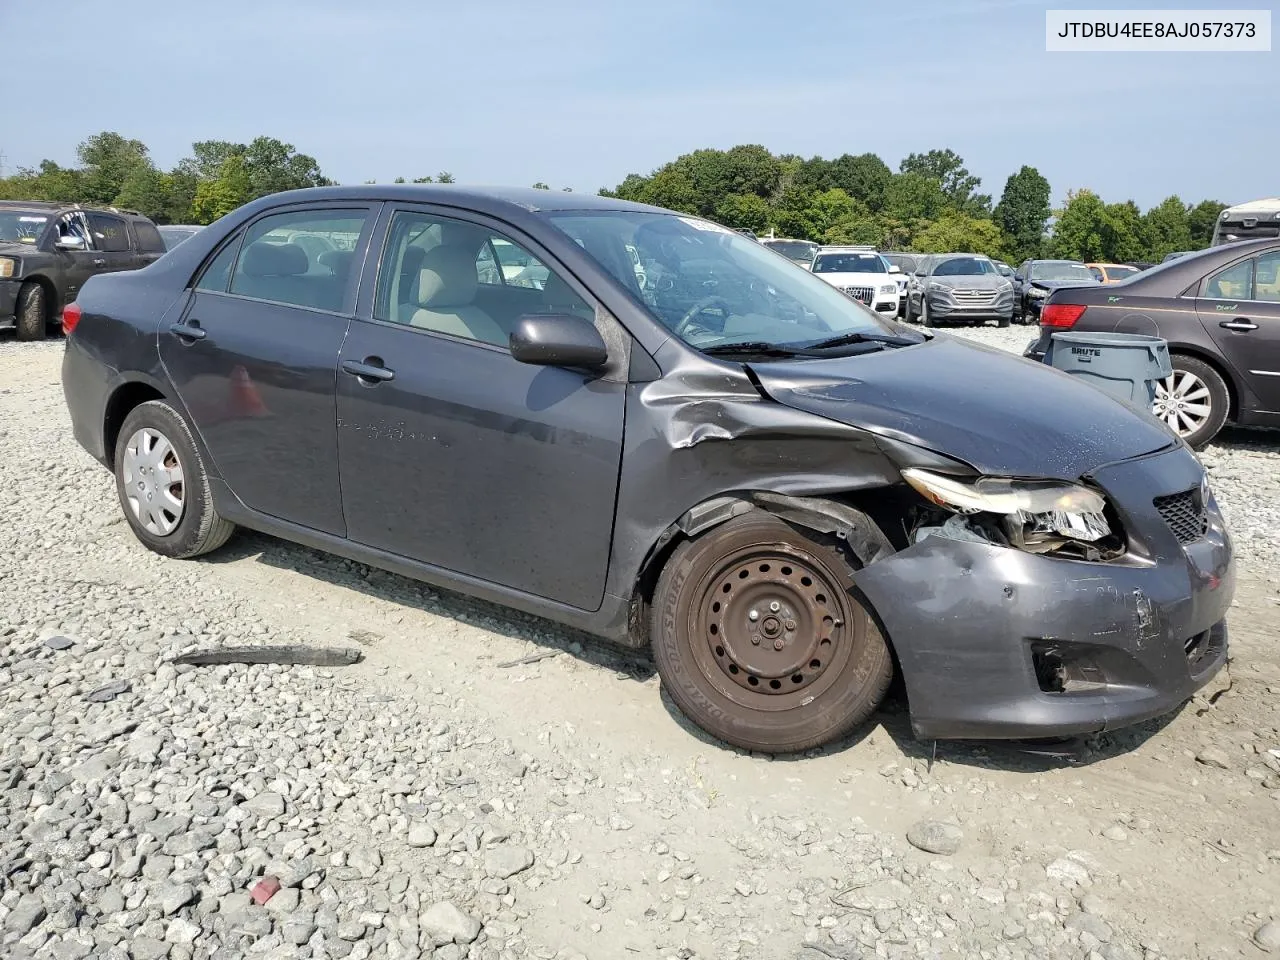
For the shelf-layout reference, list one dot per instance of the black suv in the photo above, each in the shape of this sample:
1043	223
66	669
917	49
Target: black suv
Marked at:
48	251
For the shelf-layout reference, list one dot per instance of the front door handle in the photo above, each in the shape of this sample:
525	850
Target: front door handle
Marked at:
371	371
188	331
99	263
1238	325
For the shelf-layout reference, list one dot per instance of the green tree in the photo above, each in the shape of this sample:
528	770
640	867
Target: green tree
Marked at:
1023	212
864	178
398	180
913	196
444	176
107	161
1201	220
232	188
146	190
424	179
957	183
1081	227
1167	228
1123	233
541	186
956	232
743	211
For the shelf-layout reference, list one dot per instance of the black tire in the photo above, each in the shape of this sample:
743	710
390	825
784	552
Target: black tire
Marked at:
1219	397
199	529
32	312
1002	321
910	312
701	631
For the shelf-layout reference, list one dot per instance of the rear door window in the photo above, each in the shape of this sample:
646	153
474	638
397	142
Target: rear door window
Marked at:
303	258
1233	283
149	240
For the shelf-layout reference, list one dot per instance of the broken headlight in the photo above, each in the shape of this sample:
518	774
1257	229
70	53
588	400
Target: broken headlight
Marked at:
1038	513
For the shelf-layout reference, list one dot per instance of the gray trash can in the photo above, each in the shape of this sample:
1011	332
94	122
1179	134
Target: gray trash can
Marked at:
1125	365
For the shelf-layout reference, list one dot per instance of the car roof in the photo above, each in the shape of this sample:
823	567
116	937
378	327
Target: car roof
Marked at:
483	199
54	206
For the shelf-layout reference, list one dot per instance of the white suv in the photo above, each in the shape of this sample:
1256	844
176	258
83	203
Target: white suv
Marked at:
860	273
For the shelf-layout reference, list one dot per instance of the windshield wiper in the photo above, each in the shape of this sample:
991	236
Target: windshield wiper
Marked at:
755	348
888	339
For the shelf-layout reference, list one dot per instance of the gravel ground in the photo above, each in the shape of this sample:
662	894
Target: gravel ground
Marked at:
436	801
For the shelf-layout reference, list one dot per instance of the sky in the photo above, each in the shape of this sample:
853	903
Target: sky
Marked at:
580	94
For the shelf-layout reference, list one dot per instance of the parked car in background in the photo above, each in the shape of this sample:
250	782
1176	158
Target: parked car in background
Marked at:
1175	255
906	264
801	251
1036	279
783	494
1111	272
174	233
1219	309
1139	265
860	273
1004	268
49	250
959	288
748	233
1255	220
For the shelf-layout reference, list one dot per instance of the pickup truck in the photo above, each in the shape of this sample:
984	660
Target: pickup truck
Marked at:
49	250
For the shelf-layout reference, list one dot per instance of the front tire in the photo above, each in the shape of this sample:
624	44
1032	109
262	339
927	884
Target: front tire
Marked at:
163	485
759	641
1194	401
33	312
926	319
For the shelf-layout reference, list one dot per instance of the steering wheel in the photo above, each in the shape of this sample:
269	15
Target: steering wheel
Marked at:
696	310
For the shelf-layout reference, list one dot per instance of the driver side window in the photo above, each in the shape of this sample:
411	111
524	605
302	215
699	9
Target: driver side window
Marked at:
72	226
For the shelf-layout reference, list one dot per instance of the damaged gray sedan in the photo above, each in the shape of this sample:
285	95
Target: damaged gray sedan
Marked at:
678	439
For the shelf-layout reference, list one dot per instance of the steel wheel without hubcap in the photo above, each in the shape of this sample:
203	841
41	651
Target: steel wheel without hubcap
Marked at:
153	481
1183	402
771	624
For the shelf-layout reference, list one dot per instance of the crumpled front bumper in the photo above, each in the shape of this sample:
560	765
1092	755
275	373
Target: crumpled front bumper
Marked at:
979	628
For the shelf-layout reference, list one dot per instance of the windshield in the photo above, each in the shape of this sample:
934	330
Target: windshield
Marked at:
801	250
710	285
965	267
1060	271
1121	272
21	226
849	263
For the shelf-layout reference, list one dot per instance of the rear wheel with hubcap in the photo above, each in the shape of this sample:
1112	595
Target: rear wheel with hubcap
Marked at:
163	486
1194	401
759	641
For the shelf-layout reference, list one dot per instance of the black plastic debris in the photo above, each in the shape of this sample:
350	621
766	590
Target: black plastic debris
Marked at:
108	692
293	655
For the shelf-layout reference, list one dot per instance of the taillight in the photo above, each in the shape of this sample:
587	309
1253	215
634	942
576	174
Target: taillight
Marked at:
70	317
1061	315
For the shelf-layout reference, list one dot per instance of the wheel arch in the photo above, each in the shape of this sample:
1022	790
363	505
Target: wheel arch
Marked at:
53	302
854	518
124	398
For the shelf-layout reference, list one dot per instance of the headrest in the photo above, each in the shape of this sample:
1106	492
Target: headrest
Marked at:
448	277
338	261
274	260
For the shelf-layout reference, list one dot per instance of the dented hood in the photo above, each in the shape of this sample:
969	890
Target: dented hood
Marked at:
1001	414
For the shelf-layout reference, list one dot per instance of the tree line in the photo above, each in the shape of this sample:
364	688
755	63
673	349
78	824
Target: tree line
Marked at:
931	204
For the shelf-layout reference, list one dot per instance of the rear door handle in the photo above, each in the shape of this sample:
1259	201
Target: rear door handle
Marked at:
371	370
188	331
1238	325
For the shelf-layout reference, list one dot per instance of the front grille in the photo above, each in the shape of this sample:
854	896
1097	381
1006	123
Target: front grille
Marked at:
1185	514
865	294
974	296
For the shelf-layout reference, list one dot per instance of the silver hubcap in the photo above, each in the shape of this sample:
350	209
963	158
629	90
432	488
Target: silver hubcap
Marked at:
153	486
1183	402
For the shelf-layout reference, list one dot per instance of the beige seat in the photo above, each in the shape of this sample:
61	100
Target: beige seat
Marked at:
445	297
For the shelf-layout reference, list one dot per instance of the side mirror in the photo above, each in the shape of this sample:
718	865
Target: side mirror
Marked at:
71	243
894	268
558	340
